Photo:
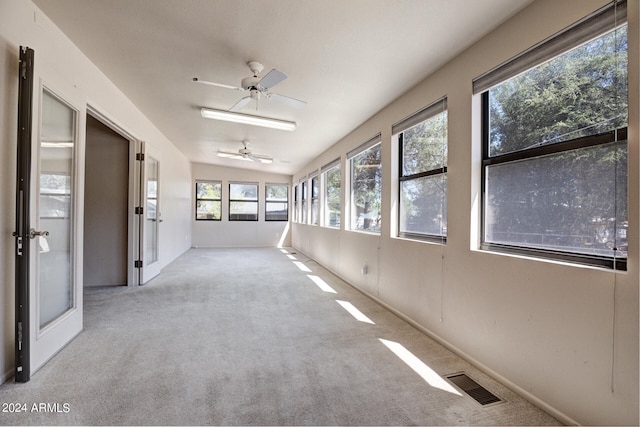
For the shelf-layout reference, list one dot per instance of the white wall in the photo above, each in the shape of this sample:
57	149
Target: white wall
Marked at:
564	336
225	233
22	23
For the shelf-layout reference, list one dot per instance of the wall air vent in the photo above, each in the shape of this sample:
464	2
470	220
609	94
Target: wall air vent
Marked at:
473	389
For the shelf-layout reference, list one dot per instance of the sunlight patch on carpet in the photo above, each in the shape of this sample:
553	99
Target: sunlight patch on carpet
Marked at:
421	368
355	312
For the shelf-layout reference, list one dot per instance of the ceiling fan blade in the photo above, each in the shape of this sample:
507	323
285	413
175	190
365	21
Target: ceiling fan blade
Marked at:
197	80
229	154
241	104
285	100
271	79
244	154
261	158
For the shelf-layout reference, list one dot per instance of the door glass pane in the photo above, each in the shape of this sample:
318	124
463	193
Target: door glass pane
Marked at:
56	200
151	228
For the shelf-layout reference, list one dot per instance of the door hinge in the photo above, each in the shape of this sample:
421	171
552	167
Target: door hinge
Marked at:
139	210
138	264
23	70
140	157
24	63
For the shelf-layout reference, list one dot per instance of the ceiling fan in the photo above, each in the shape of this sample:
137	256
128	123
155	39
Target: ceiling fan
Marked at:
258	86
245	154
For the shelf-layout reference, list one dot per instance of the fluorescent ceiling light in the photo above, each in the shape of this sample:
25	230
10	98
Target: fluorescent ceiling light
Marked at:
246	119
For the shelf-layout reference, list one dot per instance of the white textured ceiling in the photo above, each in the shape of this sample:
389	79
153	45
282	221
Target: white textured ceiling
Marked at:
346	58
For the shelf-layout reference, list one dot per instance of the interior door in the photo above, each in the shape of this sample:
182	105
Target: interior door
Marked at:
55	217
150	214
106	206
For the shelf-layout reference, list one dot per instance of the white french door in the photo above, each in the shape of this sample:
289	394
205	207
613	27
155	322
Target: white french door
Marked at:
56	215
151	214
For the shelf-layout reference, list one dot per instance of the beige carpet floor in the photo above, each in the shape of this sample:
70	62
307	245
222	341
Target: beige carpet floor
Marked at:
247	337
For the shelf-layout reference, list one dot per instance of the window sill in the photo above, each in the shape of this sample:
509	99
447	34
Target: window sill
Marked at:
437	240
618	265
372	233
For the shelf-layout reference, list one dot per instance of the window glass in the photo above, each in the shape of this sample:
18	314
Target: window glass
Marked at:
208	200
555	156
315	194
332	197
276	202
580	93
55	195
423	206
303	206
566	201
424	146
243	202
366	189
296	204
423	179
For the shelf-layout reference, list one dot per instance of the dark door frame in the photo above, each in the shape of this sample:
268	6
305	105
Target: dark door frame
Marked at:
23	225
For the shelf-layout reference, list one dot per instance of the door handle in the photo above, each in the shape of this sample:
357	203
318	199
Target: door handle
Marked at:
33	233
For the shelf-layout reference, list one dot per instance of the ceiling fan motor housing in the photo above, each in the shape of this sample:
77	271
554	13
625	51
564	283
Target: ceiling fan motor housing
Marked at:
255	67
249	83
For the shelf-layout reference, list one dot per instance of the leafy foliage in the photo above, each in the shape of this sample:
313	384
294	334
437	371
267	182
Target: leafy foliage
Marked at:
333	182
277	202
582	92
423	199
277	192
424	146
366	170
208	200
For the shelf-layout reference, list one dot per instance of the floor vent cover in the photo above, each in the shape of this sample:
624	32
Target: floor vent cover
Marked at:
473	389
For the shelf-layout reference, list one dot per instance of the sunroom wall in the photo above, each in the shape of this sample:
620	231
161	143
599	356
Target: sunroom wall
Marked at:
563	335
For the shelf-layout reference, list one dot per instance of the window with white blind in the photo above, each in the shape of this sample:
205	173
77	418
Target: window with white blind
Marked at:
555	146
276	202
243	201
422	192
